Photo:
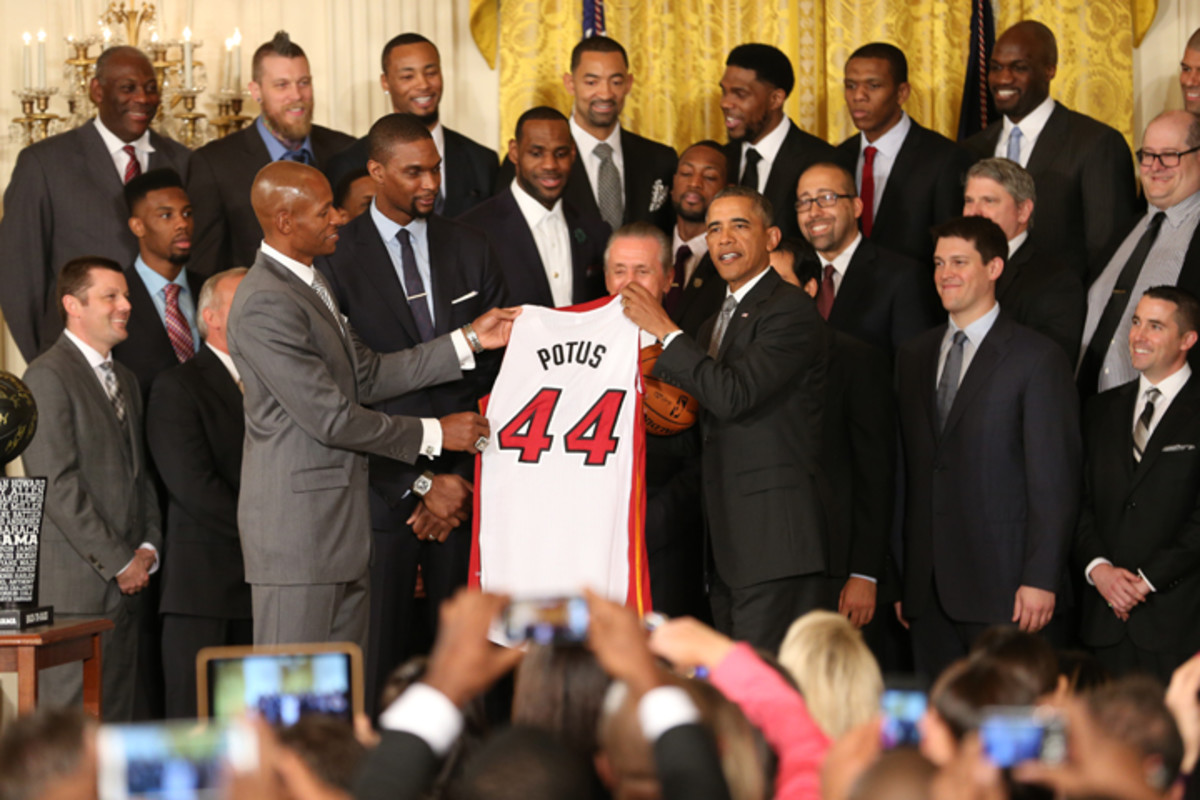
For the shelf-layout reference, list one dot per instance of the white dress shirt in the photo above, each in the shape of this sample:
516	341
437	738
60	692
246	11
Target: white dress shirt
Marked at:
585	144
888	147
699	247
767	147
439	141
841	263
116	148
418	236
1031	128
1014	244
553	240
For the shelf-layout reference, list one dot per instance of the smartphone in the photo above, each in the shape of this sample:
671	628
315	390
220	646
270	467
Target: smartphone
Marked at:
182	760
552	620
1012	734
902	707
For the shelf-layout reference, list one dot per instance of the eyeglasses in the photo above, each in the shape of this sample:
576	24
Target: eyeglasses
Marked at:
1167	160
826	200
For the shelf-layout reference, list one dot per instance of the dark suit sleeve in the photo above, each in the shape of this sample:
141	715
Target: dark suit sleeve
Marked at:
401	767
26	231
871	415
1179	559
211	248
1058	310
915	306
1088	545
1109	192
688	765
948	187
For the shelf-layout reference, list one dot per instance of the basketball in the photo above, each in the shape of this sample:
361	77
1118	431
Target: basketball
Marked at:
666	409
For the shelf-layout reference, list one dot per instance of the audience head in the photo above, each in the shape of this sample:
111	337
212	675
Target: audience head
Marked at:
1023	63
902	774
1132	711
50	753
294	207
1163	331
524	763
797	264
1189	73
160	216
828	208
1169	159
1080	671
638	253
876	87
599	81
958	698
125	91
328	749
282	86
353	193
968	257
404	163
757	79
412	76
1020	650
1004	192
740	234
561	690
542	153
625	760
701	173
212	309
93	300
837	674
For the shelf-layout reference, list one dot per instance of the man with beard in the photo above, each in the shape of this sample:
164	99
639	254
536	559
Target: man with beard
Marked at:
551	254
696	289
221	172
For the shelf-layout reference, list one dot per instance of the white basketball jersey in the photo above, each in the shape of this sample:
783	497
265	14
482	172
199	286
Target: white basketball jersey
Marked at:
559	491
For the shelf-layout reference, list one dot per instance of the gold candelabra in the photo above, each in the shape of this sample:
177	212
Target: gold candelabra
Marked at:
36	122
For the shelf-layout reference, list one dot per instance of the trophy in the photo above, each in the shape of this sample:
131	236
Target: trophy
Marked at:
22	501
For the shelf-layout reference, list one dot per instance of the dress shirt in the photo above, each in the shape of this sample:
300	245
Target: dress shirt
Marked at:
227	361
439	141
1162	267
699	247
841	263
887	147
1014	244
976	332
585	143
277	149
739	296
553	240
116	148
1031	128
156	285
418	231
94	360
768	148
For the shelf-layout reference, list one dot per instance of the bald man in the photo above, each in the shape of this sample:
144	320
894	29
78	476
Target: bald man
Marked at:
1189	73
302	512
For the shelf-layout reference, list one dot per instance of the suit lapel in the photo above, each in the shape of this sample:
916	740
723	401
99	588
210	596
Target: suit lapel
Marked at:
908	157
309	295
579	253
1012	269
988	356
97	396
527	263
214	374
579	189
99	161
442	251
928	364
857	283
1183	409
788	151
746	311
376	264
1049	142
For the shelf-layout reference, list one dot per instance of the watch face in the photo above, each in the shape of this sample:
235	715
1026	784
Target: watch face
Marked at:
422	485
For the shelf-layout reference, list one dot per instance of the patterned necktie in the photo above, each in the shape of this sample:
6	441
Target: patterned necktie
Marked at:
868	190
1014	145
133	167
1141	429
177	328
826	293
714	344
678	278
322	289
750	173
608	192
414	288
113	389
947	387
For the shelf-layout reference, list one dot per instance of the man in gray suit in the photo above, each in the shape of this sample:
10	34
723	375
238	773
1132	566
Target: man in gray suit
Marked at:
302	512
101	532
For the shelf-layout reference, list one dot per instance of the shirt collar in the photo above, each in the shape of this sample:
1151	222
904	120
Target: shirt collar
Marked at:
1014	244
890	143
741	293
276	148
1031	126
1181	211
227	361
977	330
155	283
388	228
533	211
697	244
114	143
92	355
439	138
768	146
302	271
586	143
1169	386
842	262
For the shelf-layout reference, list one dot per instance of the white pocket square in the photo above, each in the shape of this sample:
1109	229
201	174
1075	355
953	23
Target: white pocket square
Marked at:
1178	448
466	296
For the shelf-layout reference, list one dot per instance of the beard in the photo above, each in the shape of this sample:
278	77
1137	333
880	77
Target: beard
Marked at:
290	131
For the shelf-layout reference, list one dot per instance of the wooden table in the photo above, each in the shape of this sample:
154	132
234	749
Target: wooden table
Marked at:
25	652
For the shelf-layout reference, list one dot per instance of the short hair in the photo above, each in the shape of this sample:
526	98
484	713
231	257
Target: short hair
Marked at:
1015	179
970	685
75	278
642	230
328	747
847	176
894	56
1020	650
344	181
101	70
712	144
806	266
152	181
1083	671
523	763
1193	42
542	113
1043	35
1132	710
40	748
403	40
769	64
762	206
208	295
987	236
280	45
392	129
1187	307
597	44
561	690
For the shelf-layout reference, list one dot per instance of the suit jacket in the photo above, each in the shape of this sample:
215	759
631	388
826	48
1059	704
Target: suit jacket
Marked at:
702	297
148	350
100	502
64	201
1043	291
1143	516
924	188
466	282
1085	182
222	172
885	298
501	220
762	482
194	430
649	171
800	150
992	501
304	470
470	170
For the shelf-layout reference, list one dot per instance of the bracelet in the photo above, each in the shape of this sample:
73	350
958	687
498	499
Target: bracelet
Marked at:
472	338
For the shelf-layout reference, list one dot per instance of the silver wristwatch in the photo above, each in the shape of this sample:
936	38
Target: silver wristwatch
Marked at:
423	484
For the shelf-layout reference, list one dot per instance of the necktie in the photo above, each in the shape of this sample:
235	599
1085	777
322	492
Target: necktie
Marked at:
1114	309
714	344
113	390
608	192
133	168
177	328
868	190
413	287
750	173
947	386
1141	429
826	293
678	278
302	156
1014	145
322	289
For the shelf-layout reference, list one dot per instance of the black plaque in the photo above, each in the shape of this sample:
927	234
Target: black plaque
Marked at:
21	503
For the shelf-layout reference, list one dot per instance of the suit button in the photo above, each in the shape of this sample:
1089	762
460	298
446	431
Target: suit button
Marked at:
1131	504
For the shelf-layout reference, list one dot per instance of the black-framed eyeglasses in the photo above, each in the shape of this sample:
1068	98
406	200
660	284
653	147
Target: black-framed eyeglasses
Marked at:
825	200
1167	160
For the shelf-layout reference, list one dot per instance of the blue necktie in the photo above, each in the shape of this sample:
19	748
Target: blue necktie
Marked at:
1014	145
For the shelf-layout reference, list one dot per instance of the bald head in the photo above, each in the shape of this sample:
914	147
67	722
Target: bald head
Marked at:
1036	36
294	204
1189	73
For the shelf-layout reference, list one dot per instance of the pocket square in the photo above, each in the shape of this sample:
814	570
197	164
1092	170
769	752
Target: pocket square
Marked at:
1178	448
466	296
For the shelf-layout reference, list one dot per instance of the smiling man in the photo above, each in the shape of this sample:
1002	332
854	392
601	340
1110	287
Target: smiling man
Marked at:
1189	73
696	289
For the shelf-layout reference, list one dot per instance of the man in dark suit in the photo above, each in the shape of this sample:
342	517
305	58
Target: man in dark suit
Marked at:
915	179
551	253
227	232
194	431
1138	542
868	292
760	379
412	77
696	291
989	423
101	534
64	198
397	297
1038	288
1080	165
766	150
1189	73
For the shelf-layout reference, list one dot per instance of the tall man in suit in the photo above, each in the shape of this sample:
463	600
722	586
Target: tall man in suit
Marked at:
304	526
551	253
101	534
1080	165
227	233
405	275
909	177
868	292
64	198
766	150
412	77
1138	542
1189	73
760	378
194	430
989	423
696	291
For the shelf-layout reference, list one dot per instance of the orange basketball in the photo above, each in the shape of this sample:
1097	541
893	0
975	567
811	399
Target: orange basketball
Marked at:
666	409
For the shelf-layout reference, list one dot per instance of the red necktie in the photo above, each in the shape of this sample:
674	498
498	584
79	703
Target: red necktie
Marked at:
133	168
825	293
678	277
177	328
868	190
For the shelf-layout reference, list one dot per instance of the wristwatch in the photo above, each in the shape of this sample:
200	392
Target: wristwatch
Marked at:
423	484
